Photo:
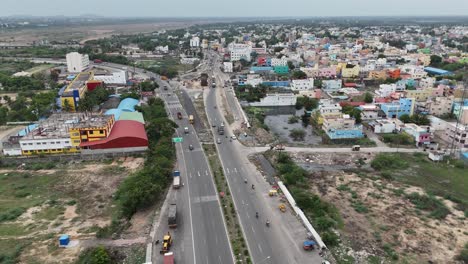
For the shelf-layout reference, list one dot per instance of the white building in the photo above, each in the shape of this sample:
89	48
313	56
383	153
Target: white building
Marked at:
302	85
386	90
119	77
189	61
427	82
279	62
277	100
195	42
331	85
253	80
77	62
240	51
329	108
228	66
384	126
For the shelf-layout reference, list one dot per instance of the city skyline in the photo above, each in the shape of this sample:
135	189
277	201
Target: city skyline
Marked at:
242	8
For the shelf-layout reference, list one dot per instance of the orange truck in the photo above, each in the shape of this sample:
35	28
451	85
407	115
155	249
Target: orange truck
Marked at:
164	78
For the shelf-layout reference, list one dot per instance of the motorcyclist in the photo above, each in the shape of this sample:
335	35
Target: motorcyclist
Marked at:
256	214
253	186
268	223
245	180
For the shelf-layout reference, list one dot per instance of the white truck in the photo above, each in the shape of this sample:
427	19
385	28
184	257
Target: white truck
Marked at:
176	180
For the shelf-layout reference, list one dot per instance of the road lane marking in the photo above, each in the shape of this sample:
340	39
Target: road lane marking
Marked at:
199	174
190	174
253	230
206	172
227	169
235	169
243	202
260	248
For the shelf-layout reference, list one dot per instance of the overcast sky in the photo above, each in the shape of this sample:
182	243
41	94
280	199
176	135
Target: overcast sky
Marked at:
233	8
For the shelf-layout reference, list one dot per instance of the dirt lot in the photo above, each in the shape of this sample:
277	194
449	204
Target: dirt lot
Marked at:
72	199
380	222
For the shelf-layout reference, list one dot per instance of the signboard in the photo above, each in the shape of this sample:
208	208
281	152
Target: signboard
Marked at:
177	140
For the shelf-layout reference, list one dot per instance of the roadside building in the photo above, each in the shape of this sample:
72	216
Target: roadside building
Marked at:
456	134
342	127
75	91
331	86
404	106
195	42
385	126
420	134
228	66
302	85
119	77
240	51
440	106
77	62
288	99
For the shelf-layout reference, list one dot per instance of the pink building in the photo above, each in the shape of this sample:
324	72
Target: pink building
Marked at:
439	91
329	72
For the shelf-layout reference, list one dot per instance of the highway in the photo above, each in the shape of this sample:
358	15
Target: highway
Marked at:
282	241
201	235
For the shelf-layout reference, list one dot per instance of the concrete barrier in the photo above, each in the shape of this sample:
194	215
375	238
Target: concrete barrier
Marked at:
301	215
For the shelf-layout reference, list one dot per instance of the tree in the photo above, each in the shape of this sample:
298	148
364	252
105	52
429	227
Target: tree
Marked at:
381	56
66	105
299	75
100	256
405	118
435	60
368	98
297	134
291	65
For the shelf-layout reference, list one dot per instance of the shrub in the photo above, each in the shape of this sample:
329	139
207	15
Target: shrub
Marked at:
463	256
11	214
388	161
297	134
330	238
293	119
98	255
429	203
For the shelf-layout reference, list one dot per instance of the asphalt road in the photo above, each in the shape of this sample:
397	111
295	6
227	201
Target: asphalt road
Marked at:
282	241
201	235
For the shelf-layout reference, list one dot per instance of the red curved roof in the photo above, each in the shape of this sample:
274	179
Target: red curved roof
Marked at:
124	134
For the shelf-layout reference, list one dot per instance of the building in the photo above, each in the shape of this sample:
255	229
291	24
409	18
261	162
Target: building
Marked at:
77	62
281	69
393	73
331	86
436	71
279	62
302	85
343	127
382	75
385	126
421	135
63	133
75	90
386	90
195	42
328	72
427	82
440	106
460	110
240	51
350	71
405	106
254	69
328	108
228	66
369	111
456	134
119	77
277	100
421	95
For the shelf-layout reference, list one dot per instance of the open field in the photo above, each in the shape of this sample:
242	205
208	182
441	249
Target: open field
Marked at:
410	213
39	202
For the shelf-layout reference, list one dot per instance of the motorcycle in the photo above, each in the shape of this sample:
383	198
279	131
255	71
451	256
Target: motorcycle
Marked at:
268	223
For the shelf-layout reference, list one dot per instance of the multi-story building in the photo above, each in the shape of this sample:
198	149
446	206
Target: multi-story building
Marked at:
342	127
405	106
382	75
195	42
427	82
302	85
119	77
456	134
77	62
74	91
369	111
460	110
420	95
440	106
331	85
310	72
385	126
328	72
288	99
421	135
228	66
328	108
393	73
240	51
350	71
386	90
281	69
279	62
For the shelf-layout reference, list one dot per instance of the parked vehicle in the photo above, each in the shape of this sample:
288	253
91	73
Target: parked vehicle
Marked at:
233	137
172	216
218	141
309	245
97	61
221	129
164	78
168	258
356	148
179	115
176	180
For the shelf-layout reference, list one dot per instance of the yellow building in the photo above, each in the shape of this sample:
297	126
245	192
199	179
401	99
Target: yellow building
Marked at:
419	95
63	133
75	91
378	75
349	70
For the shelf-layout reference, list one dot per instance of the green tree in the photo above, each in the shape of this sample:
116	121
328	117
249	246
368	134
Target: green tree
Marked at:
66	105
435	60
291	65
368	98
405	118
297	134
100	256
299	75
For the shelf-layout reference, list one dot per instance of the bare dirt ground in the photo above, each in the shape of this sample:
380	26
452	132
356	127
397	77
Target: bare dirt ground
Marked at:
82	204
380	221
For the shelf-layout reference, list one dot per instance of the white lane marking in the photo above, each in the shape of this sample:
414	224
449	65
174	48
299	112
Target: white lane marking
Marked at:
227	169
198	173
235	169
220	261
248	216
253	230
260	248
206	172
190	174
243	202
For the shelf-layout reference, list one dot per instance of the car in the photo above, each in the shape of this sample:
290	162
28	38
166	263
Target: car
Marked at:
233	137
190	147
218	141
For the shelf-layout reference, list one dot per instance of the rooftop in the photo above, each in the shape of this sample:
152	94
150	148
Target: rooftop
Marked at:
78	83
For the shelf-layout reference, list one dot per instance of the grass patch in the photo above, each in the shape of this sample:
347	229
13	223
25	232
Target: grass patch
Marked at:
50	213
429	203
10	250
386	161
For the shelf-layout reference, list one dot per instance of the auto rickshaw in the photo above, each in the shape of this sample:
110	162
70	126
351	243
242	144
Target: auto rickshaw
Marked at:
273	193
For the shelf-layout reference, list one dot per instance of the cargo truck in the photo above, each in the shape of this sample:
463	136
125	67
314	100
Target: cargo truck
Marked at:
221	129
191	120
172	216
168	258
176	180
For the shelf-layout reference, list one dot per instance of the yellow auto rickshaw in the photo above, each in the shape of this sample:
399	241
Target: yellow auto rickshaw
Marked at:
273	193
282	207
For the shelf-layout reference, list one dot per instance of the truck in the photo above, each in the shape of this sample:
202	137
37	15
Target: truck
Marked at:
176	180
204	79
164	78
186	131
221	129
179	115
191	120
167	243
168	258
172	216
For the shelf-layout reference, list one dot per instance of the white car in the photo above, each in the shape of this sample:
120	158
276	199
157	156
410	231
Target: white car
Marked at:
233	137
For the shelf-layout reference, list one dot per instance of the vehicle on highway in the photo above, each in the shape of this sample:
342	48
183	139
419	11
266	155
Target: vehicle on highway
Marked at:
179	115
190	147
218	141
191	119
167	243
168	258
165	87
176	180
172	216
186	131
221	129
213	124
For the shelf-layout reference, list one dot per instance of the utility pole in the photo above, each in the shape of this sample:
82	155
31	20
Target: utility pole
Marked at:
462	104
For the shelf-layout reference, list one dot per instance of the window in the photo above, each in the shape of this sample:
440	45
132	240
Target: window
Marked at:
76	141
58	142
30	144
91	132
52	142
101	131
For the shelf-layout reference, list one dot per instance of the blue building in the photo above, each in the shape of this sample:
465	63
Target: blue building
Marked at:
405	106
345	134
277	84
261	69
437	71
